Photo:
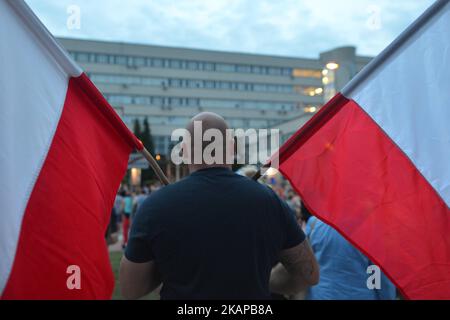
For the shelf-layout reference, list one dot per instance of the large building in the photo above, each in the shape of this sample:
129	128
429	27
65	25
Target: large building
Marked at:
169	85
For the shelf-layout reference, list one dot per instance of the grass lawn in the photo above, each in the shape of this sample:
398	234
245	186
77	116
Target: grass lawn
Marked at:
115	262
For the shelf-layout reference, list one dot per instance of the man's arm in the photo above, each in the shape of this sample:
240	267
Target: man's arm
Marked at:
138	279
298	270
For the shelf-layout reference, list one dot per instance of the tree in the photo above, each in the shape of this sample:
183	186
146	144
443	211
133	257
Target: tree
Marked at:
147	138
145	135
137	128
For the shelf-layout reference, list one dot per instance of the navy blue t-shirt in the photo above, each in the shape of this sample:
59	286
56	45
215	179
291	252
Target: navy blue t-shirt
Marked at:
213	235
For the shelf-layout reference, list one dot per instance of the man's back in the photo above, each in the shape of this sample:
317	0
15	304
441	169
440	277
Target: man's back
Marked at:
213	235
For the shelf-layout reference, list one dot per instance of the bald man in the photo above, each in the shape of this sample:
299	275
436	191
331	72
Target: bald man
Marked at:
215	235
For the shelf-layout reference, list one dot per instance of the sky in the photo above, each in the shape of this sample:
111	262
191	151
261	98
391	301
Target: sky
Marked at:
300	28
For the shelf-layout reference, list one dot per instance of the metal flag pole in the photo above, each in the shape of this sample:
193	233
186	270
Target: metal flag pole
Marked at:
154	164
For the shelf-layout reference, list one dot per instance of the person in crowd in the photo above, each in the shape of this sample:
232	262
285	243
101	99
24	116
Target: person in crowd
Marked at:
138	200
215	235
126	215
343	269
118	206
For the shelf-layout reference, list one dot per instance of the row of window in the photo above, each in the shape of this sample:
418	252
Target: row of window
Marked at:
120	99
181	121
163	144
202	84
139	61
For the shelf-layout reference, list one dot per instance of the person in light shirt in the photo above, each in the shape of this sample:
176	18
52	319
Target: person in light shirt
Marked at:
343	269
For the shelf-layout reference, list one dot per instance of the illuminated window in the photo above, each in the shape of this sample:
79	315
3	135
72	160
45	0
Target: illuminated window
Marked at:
306	73
310	109
309	91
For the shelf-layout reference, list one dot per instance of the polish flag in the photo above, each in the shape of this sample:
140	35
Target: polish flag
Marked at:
63	154
374	162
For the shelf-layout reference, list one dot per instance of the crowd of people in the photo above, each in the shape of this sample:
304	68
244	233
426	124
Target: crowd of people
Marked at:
127	202
337	258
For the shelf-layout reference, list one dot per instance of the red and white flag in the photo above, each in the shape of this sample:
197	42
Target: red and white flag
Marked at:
63	154
375	161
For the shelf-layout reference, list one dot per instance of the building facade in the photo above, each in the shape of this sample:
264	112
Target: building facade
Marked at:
169	85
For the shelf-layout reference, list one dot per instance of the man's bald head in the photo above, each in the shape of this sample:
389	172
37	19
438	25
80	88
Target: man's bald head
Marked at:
208	121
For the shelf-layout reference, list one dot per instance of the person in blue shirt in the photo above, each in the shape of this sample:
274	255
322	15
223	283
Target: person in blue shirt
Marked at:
343	269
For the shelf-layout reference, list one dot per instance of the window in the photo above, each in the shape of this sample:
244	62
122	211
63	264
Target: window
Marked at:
192	65
157	63
306	73
176	83
122	60
208	66
157	101
225	85
82	57
120	99
274	71
176	64
195	84
286	71
243	69
92	57
102	58
142	100
209	84
257	69
139	61
175	102
155	82
192	102
224	67
259	87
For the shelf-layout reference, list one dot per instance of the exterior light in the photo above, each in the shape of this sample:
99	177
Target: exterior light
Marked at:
332	66
318	91
135	177
158	157
324	72
310	109
325	80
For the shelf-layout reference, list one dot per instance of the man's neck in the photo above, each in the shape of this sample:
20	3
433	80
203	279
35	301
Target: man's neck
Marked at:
196	167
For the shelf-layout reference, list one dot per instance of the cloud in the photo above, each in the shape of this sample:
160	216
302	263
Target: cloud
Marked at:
283	27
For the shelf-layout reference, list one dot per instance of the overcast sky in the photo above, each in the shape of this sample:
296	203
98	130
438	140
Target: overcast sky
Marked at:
278	27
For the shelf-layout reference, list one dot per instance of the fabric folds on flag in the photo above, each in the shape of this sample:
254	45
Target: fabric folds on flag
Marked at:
375	161
64	153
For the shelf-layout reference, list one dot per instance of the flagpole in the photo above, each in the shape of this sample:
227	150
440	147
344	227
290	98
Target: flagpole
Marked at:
154	164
